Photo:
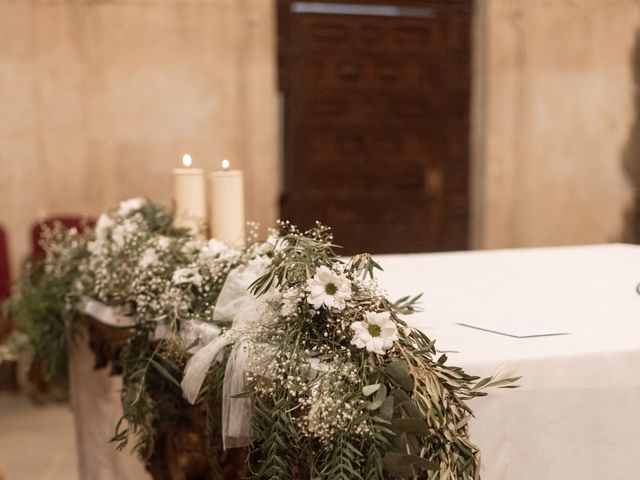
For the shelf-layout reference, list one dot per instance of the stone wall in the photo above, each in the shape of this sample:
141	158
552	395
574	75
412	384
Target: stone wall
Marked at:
100	99
556	121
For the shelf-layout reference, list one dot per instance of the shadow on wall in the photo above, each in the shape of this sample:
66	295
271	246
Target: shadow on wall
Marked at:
631	156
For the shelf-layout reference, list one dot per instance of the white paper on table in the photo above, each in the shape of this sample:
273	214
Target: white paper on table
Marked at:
514	330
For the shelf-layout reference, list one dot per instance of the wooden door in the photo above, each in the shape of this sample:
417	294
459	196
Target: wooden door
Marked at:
376	99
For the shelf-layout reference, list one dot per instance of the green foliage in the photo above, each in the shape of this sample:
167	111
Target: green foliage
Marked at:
140	413
374	449
160	220
41	312
211	396
412	419
297	255
151	395
344	462
43	305
407	305
277	434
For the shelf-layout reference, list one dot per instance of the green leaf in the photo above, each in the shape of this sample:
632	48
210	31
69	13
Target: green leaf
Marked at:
401	396
386	409
381	394
164	372
398	372
248	390
463	422
416	426
406	403
483	382
400	465
371	389
504	383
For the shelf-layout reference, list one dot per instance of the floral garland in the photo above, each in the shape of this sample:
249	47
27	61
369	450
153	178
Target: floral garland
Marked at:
152	271
349	390
340	386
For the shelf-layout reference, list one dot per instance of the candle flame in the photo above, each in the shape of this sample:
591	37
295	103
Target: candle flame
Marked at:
186	160
226	164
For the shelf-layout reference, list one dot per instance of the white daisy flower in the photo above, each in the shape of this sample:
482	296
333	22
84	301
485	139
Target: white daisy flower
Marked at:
187	275
127	207
212	248
377	333
163	242
148	258
328	288
95	247
192	246
103	224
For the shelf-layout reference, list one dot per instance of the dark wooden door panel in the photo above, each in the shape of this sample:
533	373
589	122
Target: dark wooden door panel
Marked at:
376	121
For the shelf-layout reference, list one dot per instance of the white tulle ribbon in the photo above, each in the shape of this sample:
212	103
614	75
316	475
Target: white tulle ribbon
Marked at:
236	412
195	335
246	311
198	365
104	313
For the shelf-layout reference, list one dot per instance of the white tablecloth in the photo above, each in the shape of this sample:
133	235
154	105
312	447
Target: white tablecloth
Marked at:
577	413
95	398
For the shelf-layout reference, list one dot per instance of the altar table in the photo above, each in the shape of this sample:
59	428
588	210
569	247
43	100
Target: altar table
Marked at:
95	399
576	415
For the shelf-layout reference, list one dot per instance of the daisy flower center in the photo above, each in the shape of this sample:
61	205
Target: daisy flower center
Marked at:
330	288
374	330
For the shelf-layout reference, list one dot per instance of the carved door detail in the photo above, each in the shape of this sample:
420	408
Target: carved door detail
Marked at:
376	99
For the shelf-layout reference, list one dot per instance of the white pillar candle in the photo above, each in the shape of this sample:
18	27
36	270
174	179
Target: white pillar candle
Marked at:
226	205
189	199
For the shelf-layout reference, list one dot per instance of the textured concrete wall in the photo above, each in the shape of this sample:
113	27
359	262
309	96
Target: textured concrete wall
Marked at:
556	120
100	99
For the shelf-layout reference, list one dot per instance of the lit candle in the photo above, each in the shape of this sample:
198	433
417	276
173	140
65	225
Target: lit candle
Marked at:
226	205
189	199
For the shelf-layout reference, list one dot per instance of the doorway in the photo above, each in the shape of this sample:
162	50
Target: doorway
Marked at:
376	116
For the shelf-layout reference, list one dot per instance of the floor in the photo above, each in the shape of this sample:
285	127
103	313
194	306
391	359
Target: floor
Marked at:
36	442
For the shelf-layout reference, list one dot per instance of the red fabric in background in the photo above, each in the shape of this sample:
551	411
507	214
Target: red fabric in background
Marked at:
5	271
5	283
37	252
